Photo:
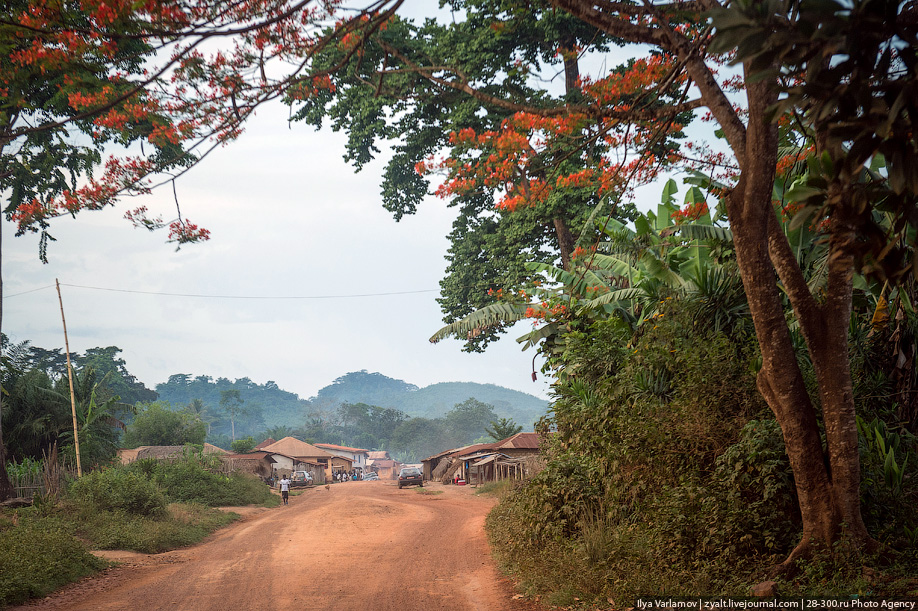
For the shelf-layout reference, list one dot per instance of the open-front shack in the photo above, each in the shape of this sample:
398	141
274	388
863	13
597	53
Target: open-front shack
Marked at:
514	457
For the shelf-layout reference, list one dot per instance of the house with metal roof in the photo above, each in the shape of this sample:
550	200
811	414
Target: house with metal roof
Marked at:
358	457
300	454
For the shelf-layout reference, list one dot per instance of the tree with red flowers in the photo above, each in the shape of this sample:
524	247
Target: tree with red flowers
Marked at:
105	98
491	113
845	75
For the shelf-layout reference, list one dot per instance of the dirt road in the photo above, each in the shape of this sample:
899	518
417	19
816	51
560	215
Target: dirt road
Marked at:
359	546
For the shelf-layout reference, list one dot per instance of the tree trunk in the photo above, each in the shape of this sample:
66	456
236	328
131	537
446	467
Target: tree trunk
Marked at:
565	242
827	479
6	487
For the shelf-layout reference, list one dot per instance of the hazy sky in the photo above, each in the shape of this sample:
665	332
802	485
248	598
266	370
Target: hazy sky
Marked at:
294	230
331	283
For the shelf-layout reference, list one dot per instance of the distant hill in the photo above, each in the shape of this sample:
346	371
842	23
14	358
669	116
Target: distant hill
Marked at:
273	406
431	401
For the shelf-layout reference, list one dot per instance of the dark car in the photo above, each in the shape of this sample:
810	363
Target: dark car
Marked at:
410	476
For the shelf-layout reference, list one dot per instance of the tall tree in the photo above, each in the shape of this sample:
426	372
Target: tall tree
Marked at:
179	79
457	87
231	402
845	71
157	425
503	428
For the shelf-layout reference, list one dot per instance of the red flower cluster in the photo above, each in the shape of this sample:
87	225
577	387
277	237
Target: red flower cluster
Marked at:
692	212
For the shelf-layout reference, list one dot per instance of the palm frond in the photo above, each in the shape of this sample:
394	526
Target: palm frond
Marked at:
481	319
695	231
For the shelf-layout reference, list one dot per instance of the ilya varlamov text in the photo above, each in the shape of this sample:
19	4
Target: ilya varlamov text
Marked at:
718	604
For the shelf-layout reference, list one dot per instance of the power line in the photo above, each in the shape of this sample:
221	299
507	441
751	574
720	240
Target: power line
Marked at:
41	288
203	296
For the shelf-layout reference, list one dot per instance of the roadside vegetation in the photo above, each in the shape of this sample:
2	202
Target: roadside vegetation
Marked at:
148	507
666	471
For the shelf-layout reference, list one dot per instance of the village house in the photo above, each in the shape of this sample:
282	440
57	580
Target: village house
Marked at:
129	455
256	463
386	468
296	455
357	456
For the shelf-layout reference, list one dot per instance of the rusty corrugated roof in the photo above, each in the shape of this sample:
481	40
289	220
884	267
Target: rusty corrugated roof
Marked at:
521	441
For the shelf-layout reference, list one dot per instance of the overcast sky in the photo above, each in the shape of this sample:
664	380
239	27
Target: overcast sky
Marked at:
298	234
289	219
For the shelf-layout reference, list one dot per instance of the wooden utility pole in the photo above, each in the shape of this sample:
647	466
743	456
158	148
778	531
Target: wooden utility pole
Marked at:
76	437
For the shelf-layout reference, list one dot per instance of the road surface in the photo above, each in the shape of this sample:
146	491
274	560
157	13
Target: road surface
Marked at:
357	546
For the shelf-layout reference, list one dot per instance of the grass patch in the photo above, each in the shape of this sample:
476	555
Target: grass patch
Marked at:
498	488
182	524
38	554
428	492
148	507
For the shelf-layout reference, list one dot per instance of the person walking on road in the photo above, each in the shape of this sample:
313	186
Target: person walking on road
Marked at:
285	489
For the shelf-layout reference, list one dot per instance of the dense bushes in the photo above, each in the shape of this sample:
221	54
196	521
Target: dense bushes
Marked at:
667	473
38	554
189	481
149	506
119	490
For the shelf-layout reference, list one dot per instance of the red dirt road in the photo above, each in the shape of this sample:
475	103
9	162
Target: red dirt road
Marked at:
359	546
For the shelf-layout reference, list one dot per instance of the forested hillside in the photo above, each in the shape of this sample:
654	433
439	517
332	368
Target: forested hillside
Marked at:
261	405
431	401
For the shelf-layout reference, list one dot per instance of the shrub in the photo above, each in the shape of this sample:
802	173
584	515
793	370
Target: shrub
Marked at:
181	525
38	555
188	481
119	489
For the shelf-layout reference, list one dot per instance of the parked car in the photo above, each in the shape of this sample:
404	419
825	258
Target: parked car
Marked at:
410	476
300	479
372	475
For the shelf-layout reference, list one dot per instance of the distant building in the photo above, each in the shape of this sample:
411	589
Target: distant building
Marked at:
357	456
386	468
514	457
300	454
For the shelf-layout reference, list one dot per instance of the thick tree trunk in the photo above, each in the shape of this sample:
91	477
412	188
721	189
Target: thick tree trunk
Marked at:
827	479
566	242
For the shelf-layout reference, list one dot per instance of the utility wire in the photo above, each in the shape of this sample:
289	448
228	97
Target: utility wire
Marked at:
202	296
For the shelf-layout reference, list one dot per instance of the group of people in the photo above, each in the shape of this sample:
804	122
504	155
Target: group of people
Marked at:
345	476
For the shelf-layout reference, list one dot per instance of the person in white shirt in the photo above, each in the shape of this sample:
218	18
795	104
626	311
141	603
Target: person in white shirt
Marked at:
285	489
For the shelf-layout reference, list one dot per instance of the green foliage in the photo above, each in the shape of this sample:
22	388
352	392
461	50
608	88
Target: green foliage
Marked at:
37	411
115	379
652	460
754	499
181	525
687	490
189	481
266	404
468	420
492	45
503	428
39	554
158	425
243	446
888	489
118	489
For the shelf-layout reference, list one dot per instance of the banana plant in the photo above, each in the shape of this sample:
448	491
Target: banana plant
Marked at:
627	275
